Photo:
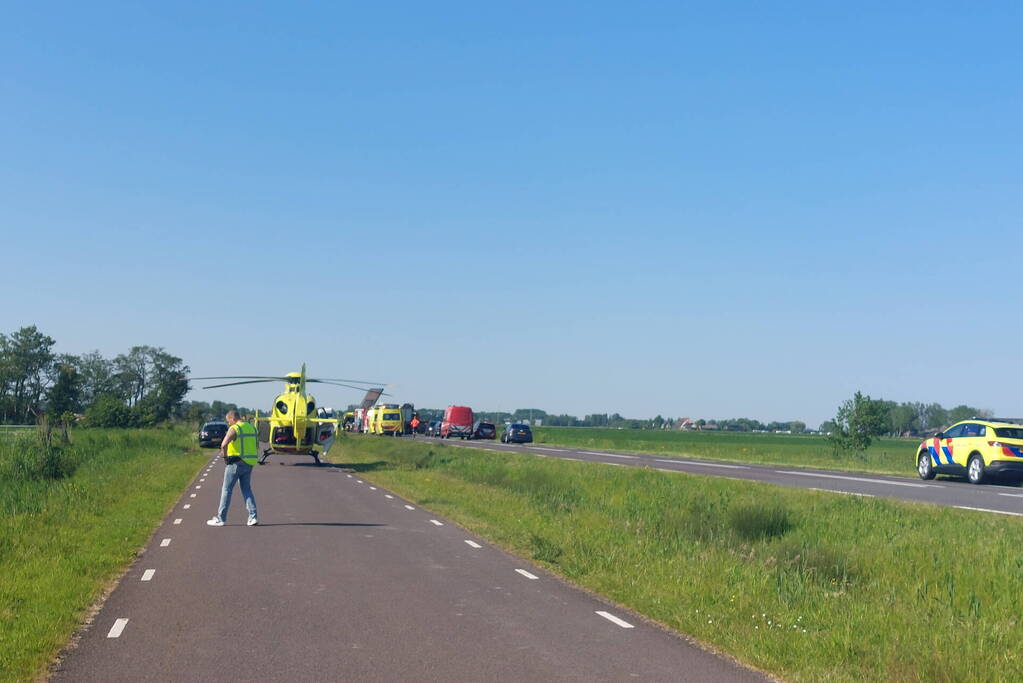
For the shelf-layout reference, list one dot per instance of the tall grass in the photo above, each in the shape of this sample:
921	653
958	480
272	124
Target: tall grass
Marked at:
885	456
72	516
807	585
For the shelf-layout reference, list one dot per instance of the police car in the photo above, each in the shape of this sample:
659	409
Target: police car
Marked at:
977	448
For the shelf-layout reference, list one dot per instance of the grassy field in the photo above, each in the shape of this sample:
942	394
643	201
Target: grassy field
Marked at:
71	519
807	585
885	456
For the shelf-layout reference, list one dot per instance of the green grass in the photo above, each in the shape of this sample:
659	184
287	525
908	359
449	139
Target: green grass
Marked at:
885	456
71	519
806	585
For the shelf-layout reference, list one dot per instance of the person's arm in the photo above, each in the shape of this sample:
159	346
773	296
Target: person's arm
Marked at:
228	438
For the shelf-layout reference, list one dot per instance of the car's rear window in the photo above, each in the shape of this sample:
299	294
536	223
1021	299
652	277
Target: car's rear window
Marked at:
1009	432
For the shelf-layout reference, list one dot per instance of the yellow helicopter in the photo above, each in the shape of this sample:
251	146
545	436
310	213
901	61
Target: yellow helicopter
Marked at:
295	425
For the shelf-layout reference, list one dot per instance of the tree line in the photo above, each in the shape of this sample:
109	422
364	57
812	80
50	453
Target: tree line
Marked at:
142	387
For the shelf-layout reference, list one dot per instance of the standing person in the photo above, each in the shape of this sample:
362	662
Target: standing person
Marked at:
240	449
415	425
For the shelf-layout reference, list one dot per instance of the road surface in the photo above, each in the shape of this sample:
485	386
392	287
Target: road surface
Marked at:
344	580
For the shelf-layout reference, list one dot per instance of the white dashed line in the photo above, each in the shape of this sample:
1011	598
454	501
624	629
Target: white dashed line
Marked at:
187	505
845	493
117	628
198	487
388	495
610	455
165	542
614	620
148	574
191	495
359	481
542	448
436	523
349	476
864	479
1012	495
203	479
177	521
372	488
703	464
997	512
409	507
474	544
527	574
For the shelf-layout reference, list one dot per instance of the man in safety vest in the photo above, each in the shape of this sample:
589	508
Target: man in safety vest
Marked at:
414	424
240	449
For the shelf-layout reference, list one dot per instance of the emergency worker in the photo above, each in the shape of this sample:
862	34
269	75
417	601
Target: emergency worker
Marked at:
415	425
240	450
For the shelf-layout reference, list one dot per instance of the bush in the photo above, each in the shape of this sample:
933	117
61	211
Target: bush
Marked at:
32	460
110	411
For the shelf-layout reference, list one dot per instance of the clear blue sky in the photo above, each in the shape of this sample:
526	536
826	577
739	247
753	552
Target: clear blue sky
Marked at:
702	209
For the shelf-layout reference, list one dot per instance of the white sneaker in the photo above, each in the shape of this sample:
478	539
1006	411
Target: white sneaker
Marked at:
253	521
216	521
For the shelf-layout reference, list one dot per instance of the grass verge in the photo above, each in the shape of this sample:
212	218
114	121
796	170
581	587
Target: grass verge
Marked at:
807	585
885	456
71	519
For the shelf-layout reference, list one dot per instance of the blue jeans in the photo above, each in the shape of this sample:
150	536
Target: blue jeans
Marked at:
241	473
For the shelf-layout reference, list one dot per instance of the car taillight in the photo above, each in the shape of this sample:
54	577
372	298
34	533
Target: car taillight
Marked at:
997	444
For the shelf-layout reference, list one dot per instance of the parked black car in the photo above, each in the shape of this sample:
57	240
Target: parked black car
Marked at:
212	433
484	430
517	433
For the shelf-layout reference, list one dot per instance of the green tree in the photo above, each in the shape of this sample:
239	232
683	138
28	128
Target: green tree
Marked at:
858	421
26	359
964	412
63	396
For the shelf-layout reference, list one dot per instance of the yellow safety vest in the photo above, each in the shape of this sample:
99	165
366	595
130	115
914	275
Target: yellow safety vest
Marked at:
246	444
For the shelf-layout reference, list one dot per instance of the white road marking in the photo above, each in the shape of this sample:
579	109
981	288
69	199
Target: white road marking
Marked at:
388	495
1012	495
191	495
869	481
614	620
198	487
997	512
409	507
578	459
117	628
165	542
474	544
372	488
615	464
846	493
703	464
177	521
543	448
188	505
359	481
527	574
610	455
436	523
148	575
349	476
203	479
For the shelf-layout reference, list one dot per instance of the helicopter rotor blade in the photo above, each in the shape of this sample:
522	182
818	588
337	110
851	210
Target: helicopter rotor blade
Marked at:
263	377
335	379
339	384
251	381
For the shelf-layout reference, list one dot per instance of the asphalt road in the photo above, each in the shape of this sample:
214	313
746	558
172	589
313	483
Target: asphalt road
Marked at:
994	498
344	580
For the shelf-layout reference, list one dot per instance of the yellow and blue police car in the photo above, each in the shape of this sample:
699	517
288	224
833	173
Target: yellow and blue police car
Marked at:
977	448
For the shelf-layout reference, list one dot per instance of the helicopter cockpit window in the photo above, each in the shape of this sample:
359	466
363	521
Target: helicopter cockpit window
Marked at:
310	408
282	407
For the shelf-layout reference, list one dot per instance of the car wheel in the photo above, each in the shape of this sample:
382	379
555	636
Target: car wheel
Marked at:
923	466
975	470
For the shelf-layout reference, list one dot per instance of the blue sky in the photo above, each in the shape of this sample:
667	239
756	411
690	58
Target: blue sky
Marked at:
702	209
